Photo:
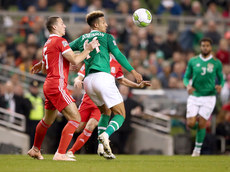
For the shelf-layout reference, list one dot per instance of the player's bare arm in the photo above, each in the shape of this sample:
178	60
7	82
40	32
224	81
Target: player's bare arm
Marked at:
218	88
76	68
190	89
43	69
137	76
36	68
128	83
75	59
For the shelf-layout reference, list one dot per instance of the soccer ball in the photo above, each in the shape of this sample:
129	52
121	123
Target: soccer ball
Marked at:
142	17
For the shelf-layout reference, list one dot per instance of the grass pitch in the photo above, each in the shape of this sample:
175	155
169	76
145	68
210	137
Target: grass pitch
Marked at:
126	163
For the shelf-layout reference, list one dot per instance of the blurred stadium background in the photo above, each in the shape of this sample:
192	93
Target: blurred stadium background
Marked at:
155	121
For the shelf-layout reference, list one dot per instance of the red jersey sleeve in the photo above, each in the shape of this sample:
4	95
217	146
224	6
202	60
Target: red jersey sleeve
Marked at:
119	73
63	45
82	71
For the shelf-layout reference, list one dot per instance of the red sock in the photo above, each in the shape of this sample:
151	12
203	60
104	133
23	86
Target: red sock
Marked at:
81	140
66	136
40	133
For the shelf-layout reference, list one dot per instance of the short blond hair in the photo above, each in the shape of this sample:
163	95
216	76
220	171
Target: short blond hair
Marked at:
93	16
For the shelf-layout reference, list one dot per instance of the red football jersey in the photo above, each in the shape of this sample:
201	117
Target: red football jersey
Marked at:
57	68
56	65
115	67
116	71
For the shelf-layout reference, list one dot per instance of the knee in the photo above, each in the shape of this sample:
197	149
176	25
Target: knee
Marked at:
92	125
202	124
191	123
74	116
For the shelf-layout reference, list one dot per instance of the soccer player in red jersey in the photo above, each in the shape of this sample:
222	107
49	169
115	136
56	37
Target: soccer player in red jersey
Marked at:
90	114
57	56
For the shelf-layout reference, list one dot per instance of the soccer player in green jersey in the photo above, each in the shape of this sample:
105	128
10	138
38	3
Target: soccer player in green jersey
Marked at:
203	71
99	84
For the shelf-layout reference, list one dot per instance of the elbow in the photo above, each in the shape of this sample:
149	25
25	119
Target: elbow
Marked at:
120	81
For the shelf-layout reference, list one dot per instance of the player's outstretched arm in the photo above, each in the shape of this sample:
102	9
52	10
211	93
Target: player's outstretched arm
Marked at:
36	68
77	58
132	84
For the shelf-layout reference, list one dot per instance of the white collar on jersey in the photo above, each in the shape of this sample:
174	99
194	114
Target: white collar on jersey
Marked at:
54	35
94	31
205	59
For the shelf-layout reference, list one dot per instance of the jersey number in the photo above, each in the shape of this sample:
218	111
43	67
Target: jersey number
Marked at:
97	48
45	56
204	70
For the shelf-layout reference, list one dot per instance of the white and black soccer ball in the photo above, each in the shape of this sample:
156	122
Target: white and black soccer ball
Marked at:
142	17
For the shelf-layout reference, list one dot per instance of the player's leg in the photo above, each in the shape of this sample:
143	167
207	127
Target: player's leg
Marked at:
102	125
104	120
72	150
41	129
192	112
205	111
200	135
118	119
114	124
81	127
72	115
192	122
85	135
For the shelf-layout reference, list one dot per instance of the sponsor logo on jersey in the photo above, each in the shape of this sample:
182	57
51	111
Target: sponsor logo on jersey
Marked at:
64	43
210	67
198	65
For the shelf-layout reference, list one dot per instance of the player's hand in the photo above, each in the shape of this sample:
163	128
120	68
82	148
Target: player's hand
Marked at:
93	44
77	83
218	88
190	89
36	68
143	84
137	76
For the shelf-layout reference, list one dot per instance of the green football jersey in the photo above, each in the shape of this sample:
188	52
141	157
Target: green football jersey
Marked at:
204	73
99	59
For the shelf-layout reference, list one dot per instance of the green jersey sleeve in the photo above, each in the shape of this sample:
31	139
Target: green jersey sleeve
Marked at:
117	53
219	74
74	44
188	73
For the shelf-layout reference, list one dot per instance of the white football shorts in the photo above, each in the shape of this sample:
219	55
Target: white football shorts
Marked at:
202	106
102	89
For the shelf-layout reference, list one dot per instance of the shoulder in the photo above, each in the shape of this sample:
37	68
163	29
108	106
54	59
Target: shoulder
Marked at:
57	40
109	36
193	59
62	41
217	61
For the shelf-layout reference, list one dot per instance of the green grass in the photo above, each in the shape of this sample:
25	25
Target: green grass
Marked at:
126	163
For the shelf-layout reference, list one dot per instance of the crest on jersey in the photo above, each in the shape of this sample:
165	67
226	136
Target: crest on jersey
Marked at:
210	67
64	43
82	68
113	70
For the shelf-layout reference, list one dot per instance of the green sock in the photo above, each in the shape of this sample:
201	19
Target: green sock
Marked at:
115	123
103	123
195	126
200	135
